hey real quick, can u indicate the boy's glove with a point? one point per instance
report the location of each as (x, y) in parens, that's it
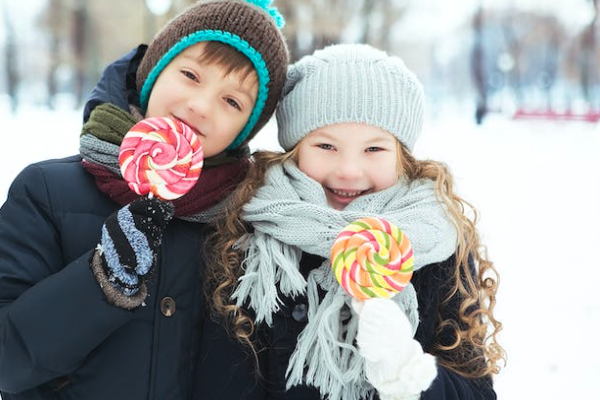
(128, 250)
(394, 362)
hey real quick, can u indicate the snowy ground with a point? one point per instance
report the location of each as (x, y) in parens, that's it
(537, 189)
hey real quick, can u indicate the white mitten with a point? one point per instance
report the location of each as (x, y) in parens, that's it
(394, 362)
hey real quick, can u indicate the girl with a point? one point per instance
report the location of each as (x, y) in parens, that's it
(348, 120)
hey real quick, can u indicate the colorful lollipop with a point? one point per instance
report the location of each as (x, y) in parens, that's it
(372, 258)
(161, 156)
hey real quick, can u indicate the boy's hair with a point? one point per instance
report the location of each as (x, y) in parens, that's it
(350, 83)
(250, 27)
(228, 59)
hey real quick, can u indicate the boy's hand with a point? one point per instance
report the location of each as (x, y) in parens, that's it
(394, 362)
(131, 238)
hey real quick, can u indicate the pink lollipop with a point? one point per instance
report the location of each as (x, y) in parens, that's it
(161, 157)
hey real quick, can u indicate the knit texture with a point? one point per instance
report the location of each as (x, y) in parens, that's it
(350, 83)
(129, 245)
(290, 215)
(251, 27)
(394, 362)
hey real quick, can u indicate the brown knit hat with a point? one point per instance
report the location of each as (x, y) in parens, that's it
(250, 26)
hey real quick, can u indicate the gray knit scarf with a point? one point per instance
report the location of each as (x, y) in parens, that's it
(290, 215)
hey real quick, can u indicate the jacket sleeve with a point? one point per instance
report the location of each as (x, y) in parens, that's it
(52, 311)
(433, 283)
(449, 385)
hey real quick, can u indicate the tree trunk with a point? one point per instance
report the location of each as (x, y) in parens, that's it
(55, 19)
(10, 60)
(79, 42)
(478, 68)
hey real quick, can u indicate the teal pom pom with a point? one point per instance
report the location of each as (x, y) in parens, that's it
(273, 11)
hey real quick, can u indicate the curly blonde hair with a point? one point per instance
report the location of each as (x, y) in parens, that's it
(475, 352)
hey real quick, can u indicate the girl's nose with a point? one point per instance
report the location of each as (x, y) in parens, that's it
(349, 168)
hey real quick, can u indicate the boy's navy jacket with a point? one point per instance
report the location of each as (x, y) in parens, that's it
(61, 339)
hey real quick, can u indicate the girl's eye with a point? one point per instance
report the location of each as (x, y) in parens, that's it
(190, 75)
(233, 104)
(373, 149)
(325, 146)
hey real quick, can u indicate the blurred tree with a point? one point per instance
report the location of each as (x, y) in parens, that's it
(81, 48)
(520, 54)
(512, 29)
(10, 58)
(588, 62)
(478, 67)
(55, 17)
(54, 21)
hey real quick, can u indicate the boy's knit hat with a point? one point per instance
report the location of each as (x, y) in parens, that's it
(350, 83)
(250, 26)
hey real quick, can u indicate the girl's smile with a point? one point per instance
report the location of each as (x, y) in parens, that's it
(349, 160)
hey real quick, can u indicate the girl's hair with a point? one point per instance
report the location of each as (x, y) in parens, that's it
(475, 351)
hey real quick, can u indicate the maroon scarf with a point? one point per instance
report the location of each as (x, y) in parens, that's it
(220, 176)
(214, 184)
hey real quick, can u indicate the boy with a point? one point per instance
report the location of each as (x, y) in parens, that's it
(69, 328)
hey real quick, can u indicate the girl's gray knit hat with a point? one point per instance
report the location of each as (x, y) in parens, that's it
(350, 83)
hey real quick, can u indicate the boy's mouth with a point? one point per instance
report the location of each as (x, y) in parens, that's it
(196, 131)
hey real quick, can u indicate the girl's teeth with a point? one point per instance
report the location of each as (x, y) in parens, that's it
(347, 194)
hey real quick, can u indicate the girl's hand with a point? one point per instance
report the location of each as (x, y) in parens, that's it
(394, 362)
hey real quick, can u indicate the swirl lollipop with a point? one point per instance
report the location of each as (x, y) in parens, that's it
(161, 157)
(372, 258)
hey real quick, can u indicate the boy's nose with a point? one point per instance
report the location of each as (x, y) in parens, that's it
(200, 105)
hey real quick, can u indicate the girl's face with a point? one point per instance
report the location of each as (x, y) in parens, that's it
(349, 160)
(215, 105)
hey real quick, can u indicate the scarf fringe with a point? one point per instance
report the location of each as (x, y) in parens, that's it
(325, 357)
(267, 268)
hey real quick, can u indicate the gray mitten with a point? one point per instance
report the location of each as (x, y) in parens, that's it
(128, 251)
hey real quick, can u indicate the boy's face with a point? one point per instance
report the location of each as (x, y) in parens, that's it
(215, 106)
(349, 160)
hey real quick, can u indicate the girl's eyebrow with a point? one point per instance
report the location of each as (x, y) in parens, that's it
(323, 134)
(381, 139)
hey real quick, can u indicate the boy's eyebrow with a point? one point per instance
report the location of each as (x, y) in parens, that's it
(237, 87)
(248, 93)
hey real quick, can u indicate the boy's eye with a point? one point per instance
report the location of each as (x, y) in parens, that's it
(190, 75)
(373, 149)
(325, 146)
(233, 103)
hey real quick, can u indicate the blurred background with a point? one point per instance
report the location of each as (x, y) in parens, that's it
(513, 102)
(527, 58)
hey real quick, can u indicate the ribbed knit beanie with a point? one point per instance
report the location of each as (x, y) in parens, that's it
(250, 26)
(350, 83)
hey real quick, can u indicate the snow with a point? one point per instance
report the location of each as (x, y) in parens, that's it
(536, 186)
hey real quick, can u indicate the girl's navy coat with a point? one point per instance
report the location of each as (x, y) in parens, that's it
(60, 339)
